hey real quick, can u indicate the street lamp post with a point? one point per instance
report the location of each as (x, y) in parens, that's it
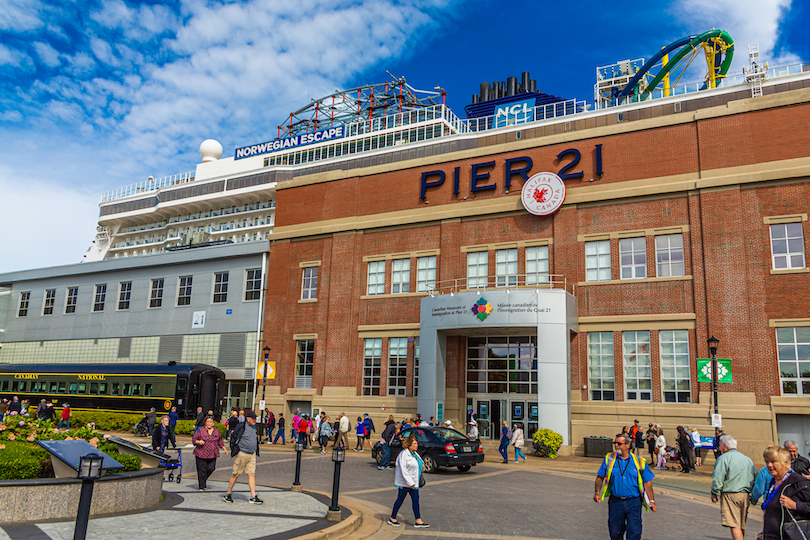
(266, 352)
(299, 447)
(713, 341)
(89, 470)
(338, 456)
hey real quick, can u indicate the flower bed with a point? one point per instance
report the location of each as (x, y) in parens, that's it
(21, 458)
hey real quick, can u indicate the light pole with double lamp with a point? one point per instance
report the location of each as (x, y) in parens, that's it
(89, 470)
(266, 352)
(299, 447)
(338, 456)
(713, 342)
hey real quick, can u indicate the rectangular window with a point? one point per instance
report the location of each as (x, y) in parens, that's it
(425, 273)
(669, 255)
(502, 365)
(147, 389)
(72, 388)
(62, 386)
(124, 292)
(506, 267)
(397, 366)
(787, 246)
(220, 287)
(116, 388)
(633, 258)
(127, 389)
(536, 265)
(376, 278)
(309, 283)
(601, 375)
(372, 357)
(50, 299)
(156, 294)
(675, 380)
(304, 360)
(25, 299)
(72, 299)
(400, 276)
(416, 366)
(597, 260)
(93, 388)
(793, 353)
(637, 366)
(82, 387)
(184, 290)
(477, 269)
(100, 298)
(136, 389)
(53, 387)
(253, 284)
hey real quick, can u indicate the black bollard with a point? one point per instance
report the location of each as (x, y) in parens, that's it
(338, 456)
(89, 470)
(299, 448)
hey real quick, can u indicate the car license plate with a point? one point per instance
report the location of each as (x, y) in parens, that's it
(467, 449)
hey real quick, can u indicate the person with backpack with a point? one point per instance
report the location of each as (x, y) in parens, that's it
(360, 431)
(303, 430)
(245, 450)
(387, 437)
(369, 425)
(506, 438)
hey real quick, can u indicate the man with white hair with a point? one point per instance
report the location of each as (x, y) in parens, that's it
(798, 463)
(732, 481)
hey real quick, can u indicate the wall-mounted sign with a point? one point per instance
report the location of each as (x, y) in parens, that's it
(513, 113)
(704, 366)
(290, 142)
(198, 319)
(543, 194)
(228, 312)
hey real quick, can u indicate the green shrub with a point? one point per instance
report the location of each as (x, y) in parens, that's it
(105, 421)
(22, 460)
(546, 443)
(186, 427)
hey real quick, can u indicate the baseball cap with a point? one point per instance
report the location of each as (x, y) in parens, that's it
(635, 421)
(365, 414)
(650, 425)
(250, 414)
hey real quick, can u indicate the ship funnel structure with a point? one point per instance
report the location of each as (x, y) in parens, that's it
(514, 101)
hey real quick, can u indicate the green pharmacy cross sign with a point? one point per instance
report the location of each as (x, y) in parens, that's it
(704, 366)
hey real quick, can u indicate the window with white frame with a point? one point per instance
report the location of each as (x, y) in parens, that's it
(793, 353)
(425, 273)
(309, 283)
(372, 361)
(597, 260)
(536, 265)
(477, 269)
(637, 366)
(633, 258)
(304, 361)
(220, 287)
(669, 255)
(787, 246)
(100, 297)
(676, 385)
(71, 299)
(25, 299)
(184, 290)
(397, 366)
(156, 293)
(376, 278)
(50, 300)
(400, 276)
(416, 366)
(124, 294)
(253, 284)
(506, 267)
(601, 374)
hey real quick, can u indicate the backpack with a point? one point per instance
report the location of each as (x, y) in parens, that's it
(508, 434)
(238, 431)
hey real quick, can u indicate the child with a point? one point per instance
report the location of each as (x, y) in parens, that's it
(360, 431)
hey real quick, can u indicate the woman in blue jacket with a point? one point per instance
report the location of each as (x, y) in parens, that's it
(506, 438)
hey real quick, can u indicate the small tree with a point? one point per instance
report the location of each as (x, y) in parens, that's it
(546, 443)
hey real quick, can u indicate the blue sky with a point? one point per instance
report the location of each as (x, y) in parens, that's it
(99, 95)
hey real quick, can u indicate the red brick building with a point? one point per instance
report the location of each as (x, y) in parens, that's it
(695, 227)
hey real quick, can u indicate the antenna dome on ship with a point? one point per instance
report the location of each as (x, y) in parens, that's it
(210, 150)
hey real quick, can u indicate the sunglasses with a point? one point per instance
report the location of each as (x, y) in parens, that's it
(617, 443)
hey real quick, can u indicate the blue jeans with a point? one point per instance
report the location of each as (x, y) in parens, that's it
(519, 454)
(403, 492)
(280, 434)
(385, 460)
(502, 449)
(270, 433)
(303, 437)
(624, 515)
(65, 421)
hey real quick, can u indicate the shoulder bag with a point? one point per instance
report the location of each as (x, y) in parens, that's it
(796, 530)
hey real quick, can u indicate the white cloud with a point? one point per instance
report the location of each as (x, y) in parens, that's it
(21, 15)
(46, 53)
(14, 57)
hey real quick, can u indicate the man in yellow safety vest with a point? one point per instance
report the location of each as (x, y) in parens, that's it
(627, 480)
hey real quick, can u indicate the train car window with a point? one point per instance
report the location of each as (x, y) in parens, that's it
(136, 389)
(62, 387)
(22, 386)
(102, 388)
(147, 389)
(72, 389)
(82, 387)
(116, 388)
(38, 387)
(54, 386)
(4, 387)
(15, 386)
(127, 389)
(94, 388)
(181, 384)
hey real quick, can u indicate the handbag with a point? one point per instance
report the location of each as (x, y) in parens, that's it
(422, 483)
(796, 530)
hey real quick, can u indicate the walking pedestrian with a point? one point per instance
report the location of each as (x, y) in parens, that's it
(798, 463)
(506, 438)
(787, 494)
(661, 449)
(325, 433)
(360, 431)
(15, 407)
(639, 446)
(65, 416)
(230, 423)
(151, 420)
(280, 432)
(207, 443)
(343, 437)
(271, 425)
(633, 430)
(296, 419)
(732, 482)
(40, 409)
(627, 480)
(472, 433)
(245, 450)
(369, 423)
(386, 438)
(200, 420)
(718, 432)
(303, 430)
(173, 418)
(160, 435)
(684, 445)
(697, 444)
(518, 442)
(407, 479)
(651, 435)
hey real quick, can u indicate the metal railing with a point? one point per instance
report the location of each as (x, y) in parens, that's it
(537, 281)
(149, 185)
